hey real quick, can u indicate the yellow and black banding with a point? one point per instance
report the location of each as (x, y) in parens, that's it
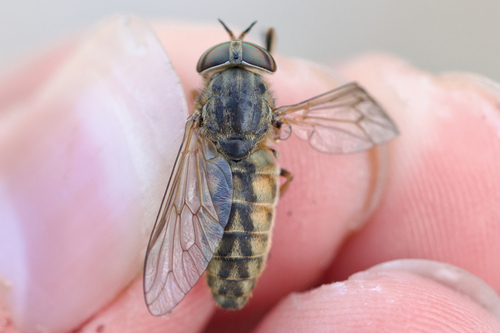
(241, 255)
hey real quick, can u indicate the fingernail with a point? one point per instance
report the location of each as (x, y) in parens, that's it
(451, 276)
(482, 86)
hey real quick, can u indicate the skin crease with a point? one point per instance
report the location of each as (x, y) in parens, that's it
(438, 202)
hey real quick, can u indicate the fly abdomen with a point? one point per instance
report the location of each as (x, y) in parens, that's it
(232, 273)
(241, 255)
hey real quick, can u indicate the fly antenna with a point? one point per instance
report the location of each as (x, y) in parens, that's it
(227, 29)
(246, 31)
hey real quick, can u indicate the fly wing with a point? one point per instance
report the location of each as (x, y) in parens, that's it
(342, 121)
(194, 211)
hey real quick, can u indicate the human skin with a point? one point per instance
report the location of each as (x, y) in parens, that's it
(430, 194)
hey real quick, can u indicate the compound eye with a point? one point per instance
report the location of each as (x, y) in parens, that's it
(257, 56)
(214, 57)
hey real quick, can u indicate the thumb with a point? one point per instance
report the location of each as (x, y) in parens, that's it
(79, 171)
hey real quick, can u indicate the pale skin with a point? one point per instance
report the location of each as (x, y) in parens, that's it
(432, 193)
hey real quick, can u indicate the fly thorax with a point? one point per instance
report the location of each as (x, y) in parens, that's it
(236, 113)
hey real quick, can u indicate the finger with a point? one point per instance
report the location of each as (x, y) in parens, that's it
(24, 78)
(328, 198)
(128, 313)
(442, 199)
(380, 301)
(82, 174)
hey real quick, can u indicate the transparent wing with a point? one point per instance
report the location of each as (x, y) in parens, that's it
(341, 121)
(190, 223)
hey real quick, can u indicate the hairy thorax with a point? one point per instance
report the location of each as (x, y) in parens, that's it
(236, 109)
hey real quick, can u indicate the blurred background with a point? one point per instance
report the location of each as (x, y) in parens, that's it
(444, 35)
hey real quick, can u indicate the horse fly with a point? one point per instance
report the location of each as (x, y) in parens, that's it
(218, 209)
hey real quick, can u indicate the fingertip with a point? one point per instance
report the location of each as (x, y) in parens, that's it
(380, 301)
(128, 313)
(453, 277)
(441, 199)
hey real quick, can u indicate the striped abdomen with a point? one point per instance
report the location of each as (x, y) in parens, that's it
(241, 255)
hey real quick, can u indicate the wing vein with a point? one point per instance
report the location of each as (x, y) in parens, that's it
(173, 264)
(342, 121)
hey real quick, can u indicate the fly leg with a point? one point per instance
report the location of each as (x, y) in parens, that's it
(289, 177)
(194, 94)
(194, 97)
(270, 40)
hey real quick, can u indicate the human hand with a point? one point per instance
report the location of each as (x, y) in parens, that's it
(84, 142)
